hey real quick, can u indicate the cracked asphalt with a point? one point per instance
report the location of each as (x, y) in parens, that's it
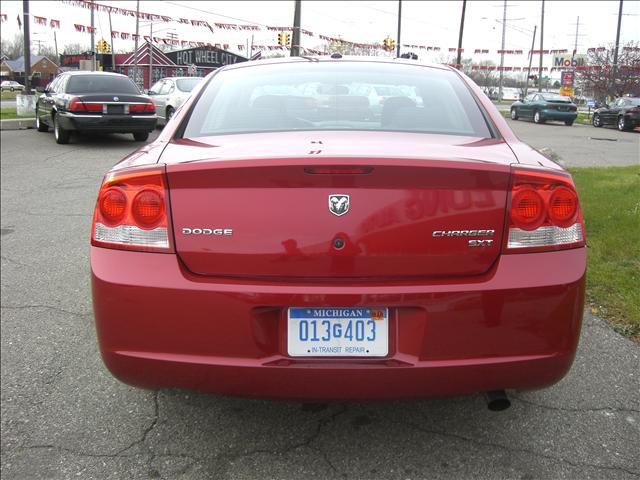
(64, 416)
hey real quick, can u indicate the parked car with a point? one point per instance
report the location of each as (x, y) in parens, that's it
(510, 94)
(266, 247)
(12, 86)
(94, 102)
(624, 113)
(170, 93)
(545, 106)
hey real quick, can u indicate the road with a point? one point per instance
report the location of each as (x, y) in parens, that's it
(581, 145)
(64, 416)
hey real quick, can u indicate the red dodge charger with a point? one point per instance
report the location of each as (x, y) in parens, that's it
(289, 235)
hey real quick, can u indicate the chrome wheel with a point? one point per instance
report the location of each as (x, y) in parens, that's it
(597, 122)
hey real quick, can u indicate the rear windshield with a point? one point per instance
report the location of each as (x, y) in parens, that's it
(553, 97)
(101, 84)
(187, 84)
(336, 96)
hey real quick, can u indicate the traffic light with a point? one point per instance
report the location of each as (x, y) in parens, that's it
(287, 39)
(280, 39)
(103, 47)
(389, 44)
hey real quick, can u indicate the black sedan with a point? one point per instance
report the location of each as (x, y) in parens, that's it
(97, 102)
(624, 113)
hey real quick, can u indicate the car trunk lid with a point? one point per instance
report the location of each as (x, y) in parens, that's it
(239, 213)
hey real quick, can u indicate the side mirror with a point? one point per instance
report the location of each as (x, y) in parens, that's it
(150, 92)
(41, 89)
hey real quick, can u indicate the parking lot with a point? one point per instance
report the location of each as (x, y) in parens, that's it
(64, 416)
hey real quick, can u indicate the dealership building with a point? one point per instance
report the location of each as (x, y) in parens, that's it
(149, 64)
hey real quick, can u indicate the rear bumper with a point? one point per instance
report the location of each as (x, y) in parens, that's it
(108, 123)
(556, 115)
(516, 327)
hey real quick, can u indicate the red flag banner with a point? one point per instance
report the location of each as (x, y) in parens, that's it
(54, 23)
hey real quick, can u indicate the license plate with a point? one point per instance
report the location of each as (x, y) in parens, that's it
(338, 332)
(115, 109)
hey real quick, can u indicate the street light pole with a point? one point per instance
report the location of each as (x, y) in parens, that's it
(541, 47)
(533, 44)
(135, 53)
(295, 40)
(459, 58)
(614, 71)
(504, 28)
(399, 27)
(26, 46)
(93, 41)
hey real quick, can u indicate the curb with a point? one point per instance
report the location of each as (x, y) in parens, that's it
(17, 124)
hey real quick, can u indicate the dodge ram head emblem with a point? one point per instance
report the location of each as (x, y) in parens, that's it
(338, 204)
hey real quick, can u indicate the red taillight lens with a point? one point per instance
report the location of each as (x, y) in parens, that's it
(544, 213)
(527, 208)
(148, 207)
(635, 109)
(93, 107)
(132, 212)
(76, 105)
(112, 204)
(142, 107)
(563, 207)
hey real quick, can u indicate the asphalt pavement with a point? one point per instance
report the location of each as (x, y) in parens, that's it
(580, 145)
(63, 415)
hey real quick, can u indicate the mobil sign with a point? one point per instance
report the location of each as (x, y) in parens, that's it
(569, 61)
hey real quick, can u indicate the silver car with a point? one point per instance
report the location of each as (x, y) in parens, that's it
(170, 93)
(11, 86)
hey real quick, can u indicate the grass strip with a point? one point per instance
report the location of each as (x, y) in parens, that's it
(610, 200)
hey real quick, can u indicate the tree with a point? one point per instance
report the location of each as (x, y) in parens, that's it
(13, 48)
(75, 49)
(601, 80)
(50, 53)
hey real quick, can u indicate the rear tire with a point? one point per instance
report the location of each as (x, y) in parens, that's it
(597, 121)
(622, 124)
(537, 118)
(39, 125)
(11, 89)
(568, 123)
(141, 136)
(62, 135)
(514, 114)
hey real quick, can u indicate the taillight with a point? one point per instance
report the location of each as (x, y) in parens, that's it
(635, 109)
(76, 105)
(132, 212)
(142, 108)
(93, 107)
(544, 213)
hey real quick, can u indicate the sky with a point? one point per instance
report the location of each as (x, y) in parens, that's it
(430, 23)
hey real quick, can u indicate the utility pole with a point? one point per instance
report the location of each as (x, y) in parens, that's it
(26, 46)
(55, 42)
(150, 55)
(93, 41)
(614, 71)
(459, 59)
(135, 53)
(541, 47)
(504, 28)
(533, 44)
(399, 27)
(575, 46)
(295, 40)
(113, 50)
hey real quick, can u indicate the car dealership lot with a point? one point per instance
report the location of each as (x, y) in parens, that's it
(63, 415)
